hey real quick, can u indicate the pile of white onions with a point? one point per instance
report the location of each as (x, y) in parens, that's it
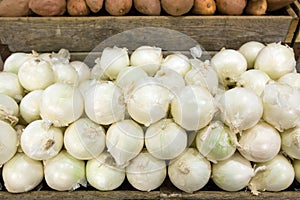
(145, 116)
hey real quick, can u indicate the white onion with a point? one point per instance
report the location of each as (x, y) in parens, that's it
(103, 174)
(84, 139)
(276, 60)
(177, 62)
(254, 80)
(190, 171)
(14, 62)
(290, 142)
(296, 165)
(146, 172)
(240, 109)
(278, 175)
(64, 172)
(170, 79)
(22, 174)
(148, 58)
(124, 141)
(193, 107)
(281, 106)
(229, 65)
(10, 85)
(45, 56)
(232, 174)
(9, 109)
(148, 102)
(97, 71)
(291, 79)
(36, 74)
(61, 104)
(165, 139)
(202, 74)
(62, 56)
(128, 77)
(65, 73)
(8, 142)
(250, 51)
(30, 106)
(260, 143)
(85, 85)
(216, 142)
(113, 60)
(104, 103)
(83, 71)
(40, 142)
(196, 51)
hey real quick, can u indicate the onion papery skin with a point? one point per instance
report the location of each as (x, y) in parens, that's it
(8, 142)
(276, 60)
(277, 175)
(232, 174)
(146, 172)
(216, 142)
(190, 171)
(104, 103)
(103, 174)
(260, 143)
(281, 106)
(65, 173)
(165, 139)
(290, 142)
(22, 174)
(193, 107)
(240, 108)
(61, 104)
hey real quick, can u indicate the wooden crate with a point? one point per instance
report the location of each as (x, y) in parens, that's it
(86, 36)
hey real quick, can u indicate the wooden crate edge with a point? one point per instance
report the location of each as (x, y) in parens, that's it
(294, 24)
(200, 195)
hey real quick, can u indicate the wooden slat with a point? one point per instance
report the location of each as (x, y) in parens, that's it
(208, 195)
(175, 195)
(293, 27)
(51, 195)
(83, 34)
(296, 7)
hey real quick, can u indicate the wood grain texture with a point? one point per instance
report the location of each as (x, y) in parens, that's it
(201, 195)
(294, 24)
(82, 195)
(83, 34)
(296, 7)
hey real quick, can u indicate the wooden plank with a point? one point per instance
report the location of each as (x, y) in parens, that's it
(296, 7)
(200, 195)
(84, 34)
(208, 195)
(50, 195)
(293, 27)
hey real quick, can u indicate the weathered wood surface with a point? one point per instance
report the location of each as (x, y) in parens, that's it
(203, 195)
(290, 38)
(296, 7)
(84, 34)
